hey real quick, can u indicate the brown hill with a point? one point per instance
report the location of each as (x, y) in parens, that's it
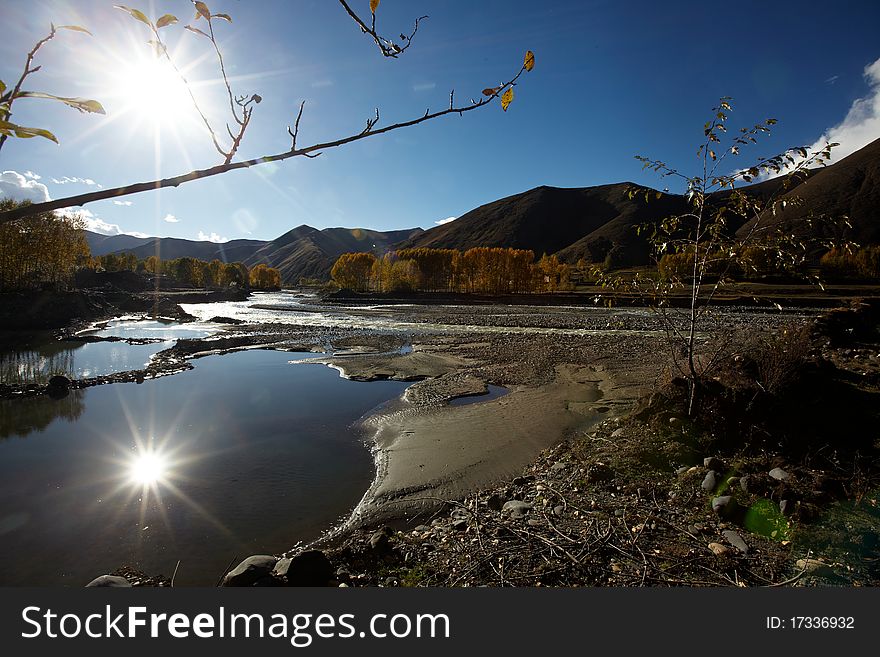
(849, 188)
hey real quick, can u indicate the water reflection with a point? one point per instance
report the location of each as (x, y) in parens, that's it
(74, 359)
(244, 454)
(22, 417)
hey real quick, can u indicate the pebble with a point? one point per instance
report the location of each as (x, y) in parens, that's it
(710, 481)
(718, 549)
(379, 542)
(713, 463)
(735, 540)
(249, 571)
(516, 508)
(779, 474)
(109, 581)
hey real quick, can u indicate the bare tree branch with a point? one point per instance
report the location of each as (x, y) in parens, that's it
(387, 47)
(308, 151)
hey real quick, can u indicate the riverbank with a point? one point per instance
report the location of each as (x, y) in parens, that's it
(572, 376)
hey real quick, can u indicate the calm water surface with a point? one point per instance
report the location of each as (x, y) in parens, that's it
(247, 453)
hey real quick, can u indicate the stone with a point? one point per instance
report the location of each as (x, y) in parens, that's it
(682, 470)
(713, 463)
(379, 542)
(58, 387)
(814, 566)
(522, 481)
(710, 481)
(735, 540)
(109, 581)
(250, 570)
(786, 507)
(779, 474)
(460, 525)
(495, 502)
(558, 510)
(533, 523)
(309, 568)
(725, 506)
(617, 433)
(559, 466)
(421, 529)
(718, 549)
(391, 581)
(516, 508)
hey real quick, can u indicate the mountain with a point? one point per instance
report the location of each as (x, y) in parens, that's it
(850, 188)
(592, 222)
(310, 253)
(301, 252)
(587, 222)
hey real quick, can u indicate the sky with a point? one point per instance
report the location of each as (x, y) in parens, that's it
(612, 80)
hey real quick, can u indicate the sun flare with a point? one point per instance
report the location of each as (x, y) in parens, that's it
(147, 468)
(151, 90)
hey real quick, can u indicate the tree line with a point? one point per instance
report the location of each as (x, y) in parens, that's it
(47, 249)
(477, 270)
(191, 271)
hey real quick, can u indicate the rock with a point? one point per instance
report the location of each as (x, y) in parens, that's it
(516, 508)
(250, 570)
(421, 529)
(682, 470)
(380, 543)
(718, 549)
(814, 567)
(713, 463)
(495, 502)
(109, 581)
(533, 523)
(559, 466)
(754, 484)
(558, 510)
(58, 387)
(710, 482)
(725, 506)
(460, 525)
(779, 474)
(309, 568)
(735, 540)
(522, 481)
(786, 507)
(391, 581)
(617, 433)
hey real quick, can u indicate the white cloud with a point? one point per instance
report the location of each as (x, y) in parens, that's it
(213, 237)
(171, 219)
(445, 221)
(17, 187)
(861, 125)
(424, 86)
(126, 203)
(82, 181)
(31, 175)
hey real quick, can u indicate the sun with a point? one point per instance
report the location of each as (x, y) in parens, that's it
(149, 89)
(147, 468)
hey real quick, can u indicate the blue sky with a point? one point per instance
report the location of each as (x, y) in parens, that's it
(612, 80)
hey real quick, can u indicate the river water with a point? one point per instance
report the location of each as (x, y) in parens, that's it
(247, 453)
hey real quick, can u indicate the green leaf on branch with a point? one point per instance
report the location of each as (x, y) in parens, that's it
(12, 130)
(136, 14)
(167, 19)
(81, 104)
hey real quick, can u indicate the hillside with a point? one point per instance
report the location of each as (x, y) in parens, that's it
(301, 252)
(588, 222)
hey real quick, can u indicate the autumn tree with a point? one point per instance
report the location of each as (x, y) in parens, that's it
(263, 277)
(39, 250)
(242, 106)
(354, 271)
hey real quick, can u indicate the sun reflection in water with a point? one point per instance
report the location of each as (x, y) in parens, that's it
(148, 468)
